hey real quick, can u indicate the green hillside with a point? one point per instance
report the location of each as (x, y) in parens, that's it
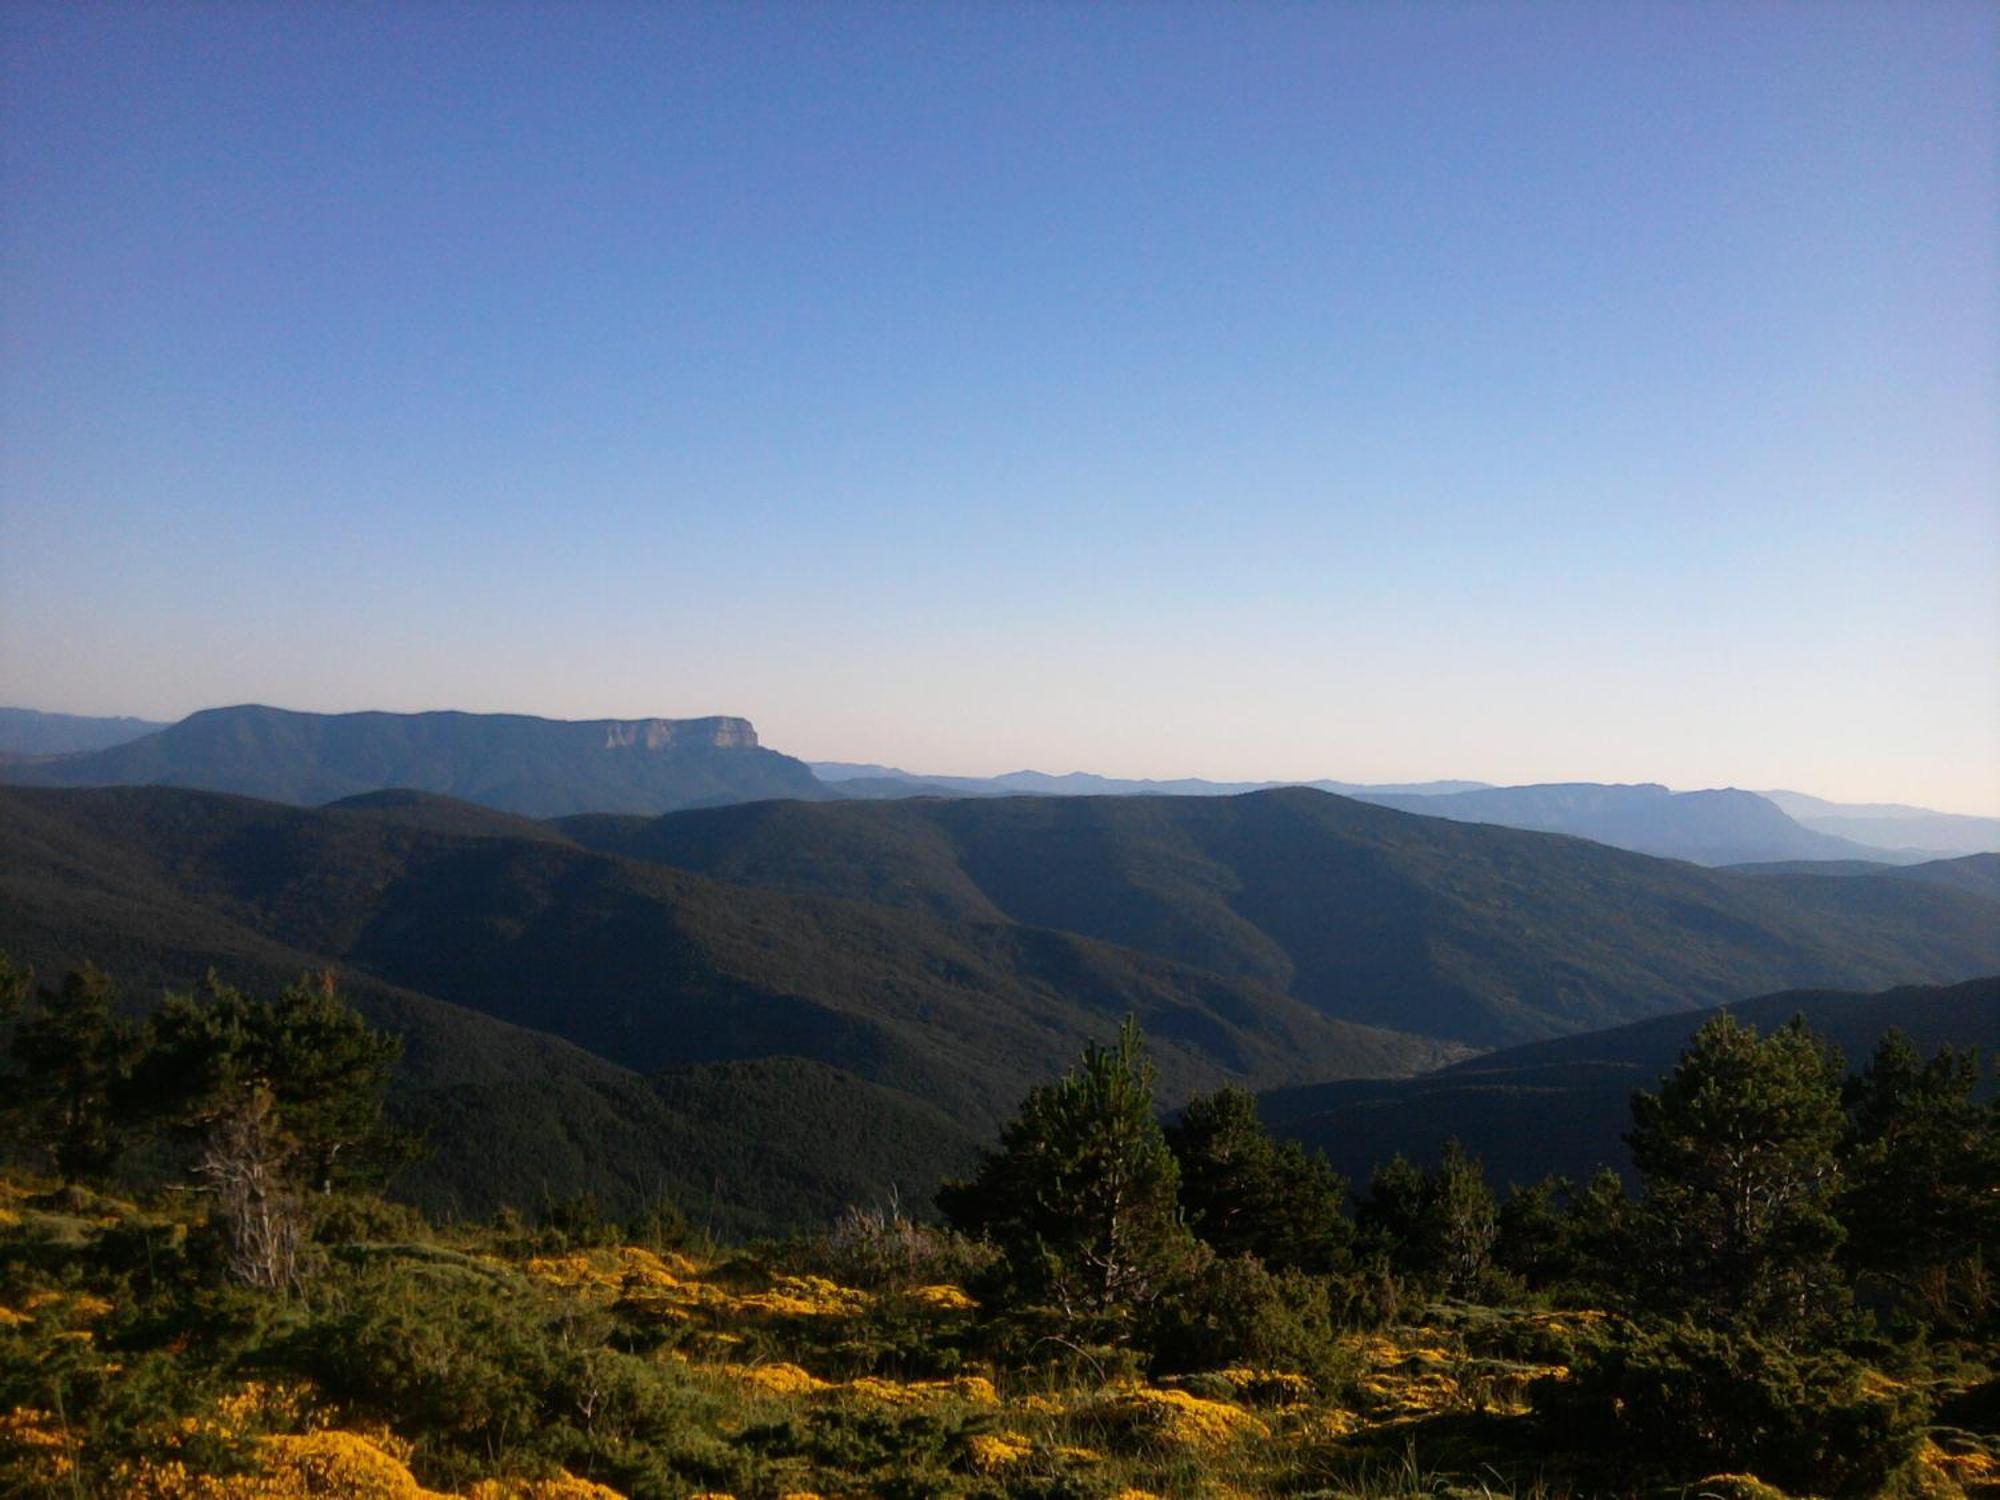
(1481, 934)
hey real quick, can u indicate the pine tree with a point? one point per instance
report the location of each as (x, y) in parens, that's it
(325, 1070)
(1246, 1194)
(1922, 1200)
(75, 1055)
(281, 1098)
(1738, 1156)
(1081, 1196)
(1438, 1225)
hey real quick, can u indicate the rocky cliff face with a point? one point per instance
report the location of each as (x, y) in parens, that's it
(715, 733)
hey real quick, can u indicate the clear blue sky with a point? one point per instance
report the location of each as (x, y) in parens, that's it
(1516, 392)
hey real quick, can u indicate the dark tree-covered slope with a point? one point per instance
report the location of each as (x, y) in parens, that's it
(405, 808)
(1977, 873)
(645, 966)
(1563, 1106)
(1483, 934)
(516, 1116)
(753, 1147)
(540, 767)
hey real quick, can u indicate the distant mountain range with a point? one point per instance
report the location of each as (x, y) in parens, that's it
(1724, 827)
(541, 767)
(873, 780)
(1891, 825)
(1715, 827)
(1564, 1106)
(546, 767)
(27, 732)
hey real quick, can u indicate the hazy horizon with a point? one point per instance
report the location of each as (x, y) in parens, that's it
(1520, 393)
(1109, 773)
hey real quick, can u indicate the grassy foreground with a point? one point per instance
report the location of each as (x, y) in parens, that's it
(514, 1363)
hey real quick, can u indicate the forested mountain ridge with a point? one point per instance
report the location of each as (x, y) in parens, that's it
(1483, 934)
(645, 966)
(540, 767)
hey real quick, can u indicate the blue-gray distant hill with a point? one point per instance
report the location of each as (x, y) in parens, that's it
(537, 767)
(1478, 934)
(1893, 825)
(1716, 827)
(26, 731)
(1563, 1106)
(855, 779)
(1721, 827)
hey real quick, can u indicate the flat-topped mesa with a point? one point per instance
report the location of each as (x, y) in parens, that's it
(717, 732)
(541, 768)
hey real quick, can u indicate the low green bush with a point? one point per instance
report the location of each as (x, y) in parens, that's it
(1235, 1312)
(1696, 1401)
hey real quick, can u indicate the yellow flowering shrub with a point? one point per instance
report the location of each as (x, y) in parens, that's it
(562, 1487)
(328, 1462)
(620, 1269)
(944, 1298)
(39, 1447)
(257, 1405)
(804, 1297)
(778, 1379)
(1318, 1424)
(1176, 1417)
(995, 1450)
(1971, 1469)
(974, 1389)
